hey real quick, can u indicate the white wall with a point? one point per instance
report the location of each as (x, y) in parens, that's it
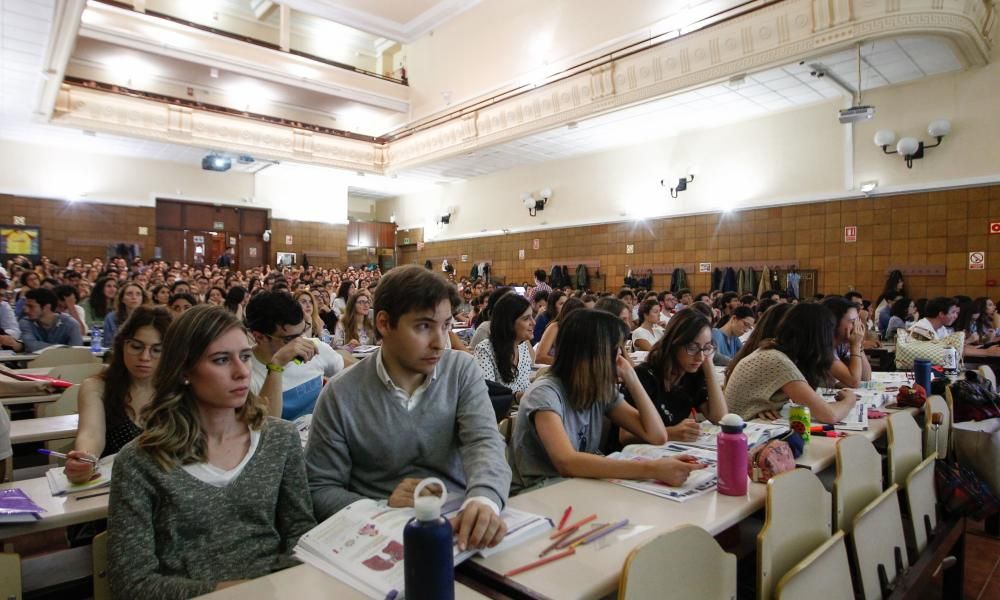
(303, 193)
(529, 38)
(742, 165)
(52, 172)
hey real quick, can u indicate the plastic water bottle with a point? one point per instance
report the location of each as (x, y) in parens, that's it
(325, 336)
(731, 448)
(428, 559)
(95, 340)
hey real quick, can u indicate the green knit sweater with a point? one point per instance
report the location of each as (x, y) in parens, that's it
(171, 535)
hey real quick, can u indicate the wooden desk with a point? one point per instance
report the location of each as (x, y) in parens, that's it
(60, 511)
(43, 429)
(821, 452)
(594, 571)
(306, 582)
(36, 399)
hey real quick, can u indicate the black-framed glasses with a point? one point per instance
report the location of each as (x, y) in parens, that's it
(136, 348)
(693, 349)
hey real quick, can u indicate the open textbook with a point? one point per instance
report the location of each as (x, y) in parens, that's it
(697, 483)
(757, 433)
(856, 420)
(362, 545)
(59, 485)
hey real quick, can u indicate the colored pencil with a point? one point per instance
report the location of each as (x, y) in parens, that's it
(576, 525)
(565, 516)
(540, 562)
(594, 536)
(582, 536)
(563, 536)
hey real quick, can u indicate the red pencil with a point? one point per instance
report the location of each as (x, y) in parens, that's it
(540, 562)
(565, 516)
(576, 525)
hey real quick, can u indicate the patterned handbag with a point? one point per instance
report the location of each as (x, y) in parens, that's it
(908, 350)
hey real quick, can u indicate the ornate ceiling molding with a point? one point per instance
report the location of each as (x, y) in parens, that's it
(776, 34)
(103, 111)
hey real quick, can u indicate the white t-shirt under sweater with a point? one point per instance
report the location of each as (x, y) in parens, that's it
(300, 384)
(214, 476)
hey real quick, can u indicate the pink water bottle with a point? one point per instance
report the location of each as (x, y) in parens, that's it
(731, 448)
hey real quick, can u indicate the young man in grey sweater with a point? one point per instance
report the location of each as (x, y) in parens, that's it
(410, 411)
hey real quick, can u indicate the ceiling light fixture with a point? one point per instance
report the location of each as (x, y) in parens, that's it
(682, 184)
(535, 203)
(911, 148)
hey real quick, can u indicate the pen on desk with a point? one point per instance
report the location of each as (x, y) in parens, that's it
(104, 493)
(565, 516)
(574, 526)
(86, 459)
(392, 595)
(593, 537)
(538, 563)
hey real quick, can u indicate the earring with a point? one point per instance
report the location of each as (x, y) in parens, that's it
(186, 382)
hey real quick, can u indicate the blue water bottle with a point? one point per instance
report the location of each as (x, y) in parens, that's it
(95, 340)
(922, 374)
(428, 541)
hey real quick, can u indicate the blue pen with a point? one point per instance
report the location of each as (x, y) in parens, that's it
(85, 459)
(392, 595)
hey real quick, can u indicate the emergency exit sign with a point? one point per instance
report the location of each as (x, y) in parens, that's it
(850, 233)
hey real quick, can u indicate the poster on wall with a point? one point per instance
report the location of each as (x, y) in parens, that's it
(21, 240)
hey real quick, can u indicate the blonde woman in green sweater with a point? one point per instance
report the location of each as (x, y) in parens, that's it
(213, 491)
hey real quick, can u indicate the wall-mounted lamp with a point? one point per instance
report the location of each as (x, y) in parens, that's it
(682, 184)
(536, 202)
(912, 148)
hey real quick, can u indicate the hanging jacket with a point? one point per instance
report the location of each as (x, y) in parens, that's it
(765, 281)
(678, 280)
(728, 280)
(565, 277)
(741, 281)
(555, 277)
(716, 279)
(775, 282)
(582, 277)
(474, 273)
(486, 271)
(751, 281)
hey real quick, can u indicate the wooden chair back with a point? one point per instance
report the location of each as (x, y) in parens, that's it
(102, 590)
(62, 355)
(668, 561)
(905, 451)
(10, 576)
(858, 480)
(878, 545)
(921, 499)
(825, 570)
(798, 521)
(77, 373)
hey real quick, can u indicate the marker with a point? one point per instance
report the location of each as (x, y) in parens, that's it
(85, 459)
(816, 428)
(833, 434)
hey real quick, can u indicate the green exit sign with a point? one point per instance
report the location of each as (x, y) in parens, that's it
(406, 241)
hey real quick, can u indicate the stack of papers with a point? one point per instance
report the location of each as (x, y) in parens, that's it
(60, 485)
(757, 433)
(17, 507)
(698, 483)
(362, 545)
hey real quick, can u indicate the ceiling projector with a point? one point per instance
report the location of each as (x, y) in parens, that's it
(216, 162)
(855, 114)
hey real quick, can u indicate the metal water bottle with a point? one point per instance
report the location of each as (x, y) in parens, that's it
(428, 557)
(731, 451)
(950, 359)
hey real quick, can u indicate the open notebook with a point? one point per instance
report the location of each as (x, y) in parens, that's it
(59, 485)
(362, 545)
(698, 483)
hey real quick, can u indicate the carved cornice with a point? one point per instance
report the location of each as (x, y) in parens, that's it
(774, 35)
(112, 113)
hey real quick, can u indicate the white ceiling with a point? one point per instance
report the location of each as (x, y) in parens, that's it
(25, 26)
(887, 62)
(402, 20)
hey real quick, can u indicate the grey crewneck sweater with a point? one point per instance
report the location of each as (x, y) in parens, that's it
(172, 536)
(363, 441)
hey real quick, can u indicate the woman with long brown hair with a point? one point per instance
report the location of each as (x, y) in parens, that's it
(355, 326)
(129, 297)
(213, 491)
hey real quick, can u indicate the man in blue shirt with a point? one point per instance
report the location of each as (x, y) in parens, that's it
(42, 326)
(727, 338)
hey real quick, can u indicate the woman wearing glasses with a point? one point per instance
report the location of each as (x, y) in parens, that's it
(788, 368)
(111, 403)
(558, 429)
(727, 339)
(355, 325)
(679, 379)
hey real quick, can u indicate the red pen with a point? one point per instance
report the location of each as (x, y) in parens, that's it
(832, 434)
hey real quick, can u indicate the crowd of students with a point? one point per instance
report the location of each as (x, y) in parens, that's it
(212, 486)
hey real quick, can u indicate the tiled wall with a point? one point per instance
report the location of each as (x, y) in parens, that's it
(81, 229)
(323, 243)
(924, 229)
